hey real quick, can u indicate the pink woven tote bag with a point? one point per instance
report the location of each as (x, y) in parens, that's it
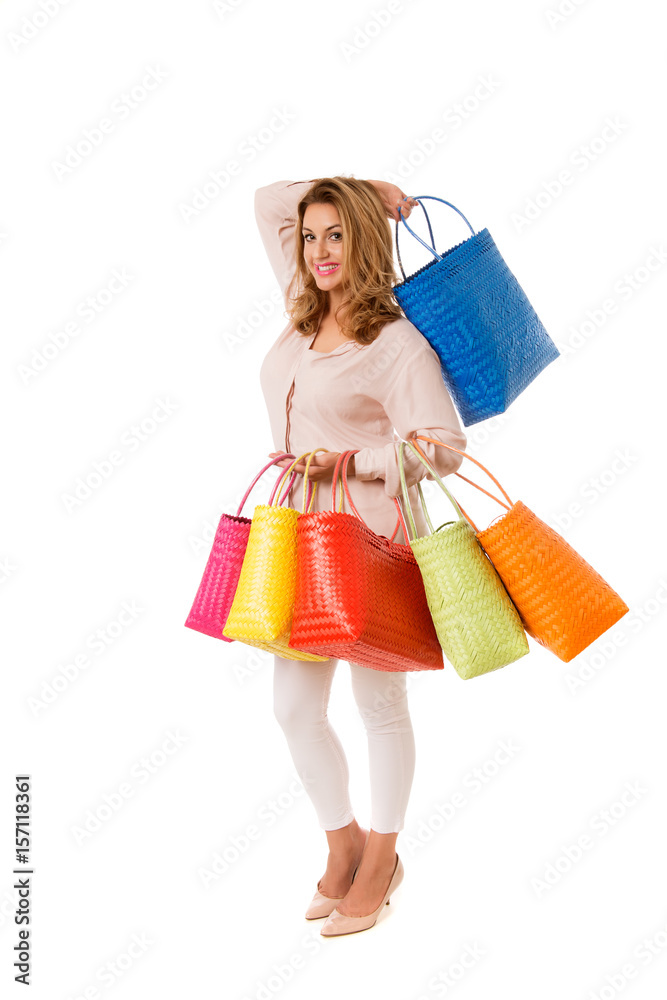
(214, 597)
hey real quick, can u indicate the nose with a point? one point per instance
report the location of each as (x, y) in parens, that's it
(319, 251)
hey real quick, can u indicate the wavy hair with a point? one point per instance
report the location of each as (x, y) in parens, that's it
(368, 262)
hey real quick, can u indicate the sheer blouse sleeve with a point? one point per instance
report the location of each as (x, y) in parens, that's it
(275, 212)
(416, 401)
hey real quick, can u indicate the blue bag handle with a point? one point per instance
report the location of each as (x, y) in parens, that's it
(430, 248)
(430, 232)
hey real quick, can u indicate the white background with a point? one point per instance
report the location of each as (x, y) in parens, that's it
(362, 98)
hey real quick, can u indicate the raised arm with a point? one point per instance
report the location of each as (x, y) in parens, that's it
(275, 211)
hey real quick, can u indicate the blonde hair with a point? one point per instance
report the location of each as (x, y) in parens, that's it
(368, 262)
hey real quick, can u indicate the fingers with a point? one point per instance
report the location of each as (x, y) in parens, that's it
(393, 196)
(406, 205)
(300, 467)
(316, 472)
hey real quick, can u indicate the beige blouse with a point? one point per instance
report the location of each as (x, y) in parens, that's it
(356, 396)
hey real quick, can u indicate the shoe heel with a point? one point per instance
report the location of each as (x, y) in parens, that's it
(338, 923)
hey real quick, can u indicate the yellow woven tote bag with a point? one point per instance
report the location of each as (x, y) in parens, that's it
(261, 612)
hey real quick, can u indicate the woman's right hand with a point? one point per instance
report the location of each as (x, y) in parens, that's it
(321, 467)
(391, 196)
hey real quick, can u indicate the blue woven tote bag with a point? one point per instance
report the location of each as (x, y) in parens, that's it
(478, 320)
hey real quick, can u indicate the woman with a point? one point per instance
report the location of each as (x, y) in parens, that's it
(347, 370)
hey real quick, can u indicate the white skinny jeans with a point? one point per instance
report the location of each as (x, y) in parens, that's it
(301, 690)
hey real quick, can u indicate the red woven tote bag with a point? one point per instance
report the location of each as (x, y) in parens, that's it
(360, 596)
(210, 608)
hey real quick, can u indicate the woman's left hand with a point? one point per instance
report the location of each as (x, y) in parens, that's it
(321, 466)
(393, 196)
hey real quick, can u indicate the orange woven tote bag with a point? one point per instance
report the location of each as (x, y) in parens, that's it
(360, 596)
(564, 604)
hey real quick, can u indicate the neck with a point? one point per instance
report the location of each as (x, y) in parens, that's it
(335, 300)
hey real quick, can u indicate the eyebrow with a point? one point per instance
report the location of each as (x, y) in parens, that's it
(306, 229)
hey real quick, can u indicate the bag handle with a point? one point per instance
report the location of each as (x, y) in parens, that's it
(431, 249)
(291, 484)
(343, 460)
(423, 437)
(289, 487)
(430, 232)
(305, 476)
(290, 468)
(404, 486)
(261, 472)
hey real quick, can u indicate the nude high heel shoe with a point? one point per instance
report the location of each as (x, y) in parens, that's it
(321, 905)
(339, 923)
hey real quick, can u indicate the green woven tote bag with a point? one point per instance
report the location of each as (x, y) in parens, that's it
(477, 624)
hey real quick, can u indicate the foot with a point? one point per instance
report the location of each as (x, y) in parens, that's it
(368, 889)
(341, 865)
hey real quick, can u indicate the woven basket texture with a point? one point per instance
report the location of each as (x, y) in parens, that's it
(360, 597)
(564, 603)
(218, 584)
(479, 321)
(261, 612)
(217, 587)
(478, 626)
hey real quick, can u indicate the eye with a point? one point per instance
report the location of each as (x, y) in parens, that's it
(306, 236)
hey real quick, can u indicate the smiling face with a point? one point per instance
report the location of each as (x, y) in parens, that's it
(323, 244)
